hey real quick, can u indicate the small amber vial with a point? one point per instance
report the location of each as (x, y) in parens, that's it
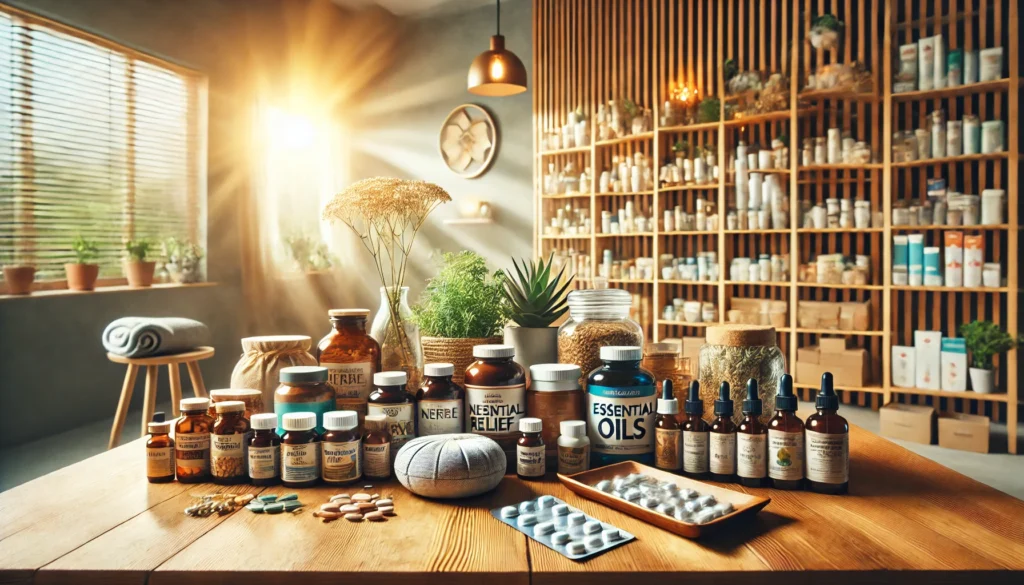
(786, 440)
(227, 443)
(264, 450)
(159, 451)
(341, 448)
(752, 441)
(351, 357)
(530, 457)
(695, 435)
(300, 450)
(828, 443)
(376, 447)
(668, 433)
(722, 449)
(192, 441)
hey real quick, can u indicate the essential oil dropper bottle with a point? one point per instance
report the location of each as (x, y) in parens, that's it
(695, 435)
(668, 434)
(786, 440)
(723, 438)
(828, 443)
(752, 441)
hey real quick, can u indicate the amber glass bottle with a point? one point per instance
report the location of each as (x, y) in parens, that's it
(341, 460)
(722, 447)
(300, 450)
(192, 441)
(530, 457)
(159, 451)
(496, 396)
(264, 450)
(695, 435)
(828, 443)
(376, 447)
(786, 440)
(668, 433)
(227, 443)
(440, 402)
(752, 441)
(390, 398)
(351, 357)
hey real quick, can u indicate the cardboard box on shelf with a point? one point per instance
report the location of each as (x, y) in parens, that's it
(807, 355)
(832, 344)
(966, 432)
(844, 376)
(844, 316)
(927, 347)
(953, 359)
(903, 366)
(907, 422)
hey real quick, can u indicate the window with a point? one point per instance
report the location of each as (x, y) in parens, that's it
(96, 140)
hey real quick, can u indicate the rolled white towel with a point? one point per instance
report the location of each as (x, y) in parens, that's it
(147, 336)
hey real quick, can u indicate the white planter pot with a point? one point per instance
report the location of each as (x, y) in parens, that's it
(981, 380)
(534, 345)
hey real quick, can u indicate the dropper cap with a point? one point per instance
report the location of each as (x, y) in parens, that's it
(158, 417)
(694, 405)
(723, 406)
(827, 399)
(752, 405)
(667, 404)
(785, 399)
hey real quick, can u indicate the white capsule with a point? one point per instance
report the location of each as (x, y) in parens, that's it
(723, 508)
(706, 501)
(527, 506)
(594, 541)
(650, 503)
(592, 527)
(692, 506)
(527, 520)
(604, 485)
(668, 486)
(545, 502)
(544, 528)
(704, 516)
(632, 495)
(509, 512)
(630, 481)
(576, 548)
(611, 535)
(689, 494)
(674, 502)
(682, 515)
(619, 484)
(560, 538)
(577, 519)
(560, 510)
(666, 509)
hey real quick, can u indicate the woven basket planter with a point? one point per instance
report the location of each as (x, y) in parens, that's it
(458, 352)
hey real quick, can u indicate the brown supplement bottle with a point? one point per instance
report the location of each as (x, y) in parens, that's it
(752, 441)
(441, 402)
(351, 357)
(264, 450)
(668, 434)
(227, 443)
(159, 451)
(722, 448)
(342, 448)
(695, 435)
(554, 396)
(530, 457)
(828, 443)
(496, 396)
(390, 398)
(786, 440)
(303, 389)
(300, 450)
(376, 447)
(192, 441)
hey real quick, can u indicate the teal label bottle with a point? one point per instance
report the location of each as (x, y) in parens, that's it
(621, 408)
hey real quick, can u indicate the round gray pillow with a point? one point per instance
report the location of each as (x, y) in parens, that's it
(458, 465)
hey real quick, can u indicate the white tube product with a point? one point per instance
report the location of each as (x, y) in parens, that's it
(939, 75)
(992, 206)
(754, 184)
(926, 63)
(742, 188)
(992, 137)
(970, 67)
(990, 64)
(974, 259)
(915, 245)
(954, 270)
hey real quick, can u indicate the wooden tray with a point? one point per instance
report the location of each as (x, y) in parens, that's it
(746, 505)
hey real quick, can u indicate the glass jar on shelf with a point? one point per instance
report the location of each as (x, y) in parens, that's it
(597, 317)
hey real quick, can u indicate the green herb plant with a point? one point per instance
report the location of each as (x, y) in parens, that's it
(535, 299)
(827, 22)
(631, 109)
(85, 250)
(986, 340)
(463, 301)
(681, 147)
(138, 249)
(709, 110)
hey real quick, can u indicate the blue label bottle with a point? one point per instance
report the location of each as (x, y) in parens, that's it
(621, 408)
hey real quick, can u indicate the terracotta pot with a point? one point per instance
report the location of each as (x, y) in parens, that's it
(140, 274)
(458, 352)
(19, 279)
(82, 276)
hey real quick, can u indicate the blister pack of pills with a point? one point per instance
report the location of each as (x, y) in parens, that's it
(562, 528)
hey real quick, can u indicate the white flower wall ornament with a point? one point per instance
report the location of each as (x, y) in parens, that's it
(468, 141)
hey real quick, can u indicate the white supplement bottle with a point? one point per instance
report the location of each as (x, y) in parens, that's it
(573, 447)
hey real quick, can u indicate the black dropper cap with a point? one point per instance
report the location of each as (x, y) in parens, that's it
(694, 405)
(723, 406)
(752, 405)
(158, 417)
(666, 390)
(785, 399)
(827, 399)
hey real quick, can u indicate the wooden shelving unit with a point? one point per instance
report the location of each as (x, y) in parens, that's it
(587, 52)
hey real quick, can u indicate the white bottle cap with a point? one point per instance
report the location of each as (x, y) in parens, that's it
(159, 427)
(554, 372)
(390, 379)
(264, 421)
(438, 370)
(621, 353)
(341, 420)
(530, 425)
(348, 313)
(375, 422)
(493, 351)
(230, 406)
(192, 404)
(668, 406)
(299, 421)
(576, 429)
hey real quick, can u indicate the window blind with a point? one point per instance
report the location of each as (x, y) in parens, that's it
(95, 140)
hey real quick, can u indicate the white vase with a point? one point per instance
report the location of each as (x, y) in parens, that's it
(534, 345)
(981, 380)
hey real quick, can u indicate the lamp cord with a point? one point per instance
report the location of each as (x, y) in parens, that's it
(499, 17)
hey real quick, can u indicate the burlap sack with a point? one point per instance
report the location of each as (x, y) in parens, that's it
(262, 359)
(458, 352)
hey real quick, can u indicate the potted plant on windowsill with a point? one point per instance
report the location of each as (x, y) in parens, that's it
(138, 271)
(82, 273)
(536, 301)
(182, 260)
(985, 340)
(18, 276)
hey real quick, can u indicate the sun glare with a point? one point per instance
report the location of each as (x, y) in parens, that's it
(289, 130)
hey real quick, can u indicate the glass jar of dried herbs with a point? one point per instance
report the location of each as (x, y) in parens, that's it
(735, 354)
(597, 317)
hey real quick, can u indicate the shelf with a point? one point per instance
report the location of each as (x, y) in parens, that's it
(636, 234)
(872, 389)
(965, 395)
(953, 289)
(625, 139)
(927, 162)
(556, 152)
(839, 94)
(758, 118)
(955, 91)
(568, 196)
(839, 230)
(702, 187)
(758, 283)
(762, 171)
(842, 167)
(689, 233)
(921, 228)
(582, 237)
(770, 231)
(690, 282)
(690, 127)
(840, 286)
(839, 332)
(624, 193)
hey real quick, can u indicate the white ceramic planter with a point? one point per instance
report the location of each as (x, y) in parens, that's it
(981, 380)
(534, 345)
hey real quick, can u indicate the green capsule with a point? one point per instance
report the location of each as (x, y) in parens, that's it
(256, 509)
(274, 508)
(268, 498)
(292, 505)
(288, 497)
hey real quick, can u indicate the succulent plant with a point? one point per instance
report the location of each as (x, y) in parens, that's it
(535, 298)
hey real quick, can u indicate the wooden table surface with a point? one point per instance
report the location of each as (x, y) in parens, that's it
(907, 519)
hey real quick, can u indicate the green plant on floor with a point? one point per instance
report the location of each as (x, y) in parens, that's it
(85, 250)
(709, 110)
(138, 249)
(985, 340)
(535, 299)
(463, 301)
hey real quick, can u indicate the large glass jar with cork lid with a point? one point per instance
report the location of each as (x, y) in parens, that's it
(735, 354)
(597, 318)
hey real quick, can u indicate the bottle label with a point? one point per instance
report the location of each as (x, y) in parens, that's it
(785, 455)
(573, 459)
(264, 462)
(723, 453)
(620, 421)
(192, 452)
(227, 455)
(377, 460)
(318, 408)
(300, 462)
(695, 452)
(668, 448)
(494, 411)
(438, 417)
(341, 461)
(828, 457)
(750, 455)
(530, 460)
(159, 461)
(401, 422)
(352, 384)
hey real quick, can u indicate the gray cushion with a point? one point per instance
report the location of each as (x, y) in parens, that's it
(450, 466)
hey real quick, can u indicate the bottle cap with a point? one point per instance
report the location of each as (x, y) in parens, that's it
(193, 404)
(390, 379)
(230, 406)
(667, 404)
(265, 421)
(827, 399)
(375, 422)
(621, 353)
(159, 427)
(694, 405)
(576, 429)
(785, 399)
(341, 420)
(554, 372)
(438, 370)
(343, 313)
(723, 406)
(300, 374)
(530, 425)
(158, 416)
(493, 351)
(299, 421)
(752, 405)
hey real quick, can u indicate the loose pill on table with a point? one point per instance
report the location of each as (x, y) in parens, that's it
(374, 517)
(269, 498)
(704, 516)
(349, 509)
(604, 485)
(594, 541)
(560, 510)
(527, 506)
(611, 535)
(560, 538)
(509, 512)
(256, 509)
(288, 497)
(577, 519)
(707, 500)
(385, 502)
(361, 497)
(527, 520)
(292, 505)
(386, 510)
(366, 506)
(545, 502)
(330, 507)
(275, 508)
(354, 517)
(592, 527)
(337, 497)
(544, 528)
(576, 548)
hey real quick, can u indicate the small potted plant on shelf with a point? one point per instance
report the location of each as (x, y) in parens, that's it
(182, 260)
(709, 110)
(137, 269)
(536, 300)
(825, 31)
(82, 273)
(18, 276)
(985, 340)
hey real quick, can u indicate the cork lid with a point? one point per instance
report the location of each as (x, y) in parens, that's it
(348, 313)
(737, 335)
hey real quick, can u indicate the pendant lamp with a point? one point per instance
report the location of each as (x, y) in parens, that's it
(497, 72)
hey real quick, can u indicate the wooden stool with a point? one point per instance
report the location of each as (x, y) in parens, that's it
(191, 361)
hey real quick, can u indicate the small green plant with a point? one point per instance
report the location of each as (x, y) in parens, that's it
(730, 69)
(709, 110)
(631, 109)
(827, 22)
(535, 299)
(85, 250)
(784, 139)
(986, 340)
(681, 148)
(464, 300)
(138, 249)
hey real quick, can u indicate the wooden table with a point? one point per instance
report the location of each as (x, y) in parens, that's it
(907, 519)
